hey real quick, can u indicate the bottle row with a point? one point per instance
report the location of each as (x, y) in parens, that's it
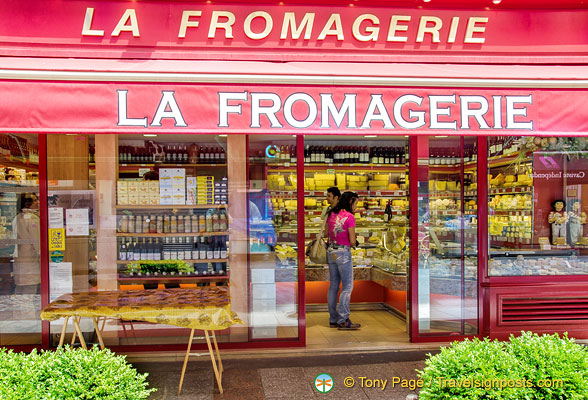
(452, 156)
(173, 248)
(171, 154)
(11, 145)
(213, 220)
(355, 154)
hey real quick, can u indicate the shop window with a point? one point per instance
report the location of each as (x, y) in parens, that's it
(272, 198)
(538, 201)
(138, 213)
(448, 236)
(20, 256)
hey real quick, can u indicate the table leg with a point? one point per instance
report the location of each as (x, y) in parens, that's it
(186, 361)
(62, 337)
(220, 363)
(79, 331)
(73, 338)
(216, 373)
(98, 333)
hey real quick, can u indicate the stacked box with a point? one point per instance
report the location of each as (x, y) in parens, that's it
(191, 190)
(153, 192)
(172, 186)
(122, 192)
(221, 194)
(205, 190)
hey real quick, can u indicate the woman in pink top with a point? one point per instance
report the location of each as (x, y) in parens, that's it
(341, 234)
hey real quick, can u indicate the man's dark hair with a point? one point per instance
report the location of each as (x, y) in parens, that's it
(334, 191)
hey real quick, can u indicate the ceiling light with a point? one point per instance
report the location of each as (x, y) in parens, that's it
(149, 135)
(222, 135)
(370, 136)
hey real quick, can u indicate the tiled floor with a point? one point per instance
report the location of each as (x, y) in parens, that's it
(378, 329)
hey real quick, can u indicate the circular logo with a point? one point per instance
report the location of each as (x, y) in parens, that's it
(271, 151)
(324, 383)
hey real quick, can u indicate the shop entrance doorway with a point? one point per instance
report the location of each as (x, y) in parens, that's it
(376, 168)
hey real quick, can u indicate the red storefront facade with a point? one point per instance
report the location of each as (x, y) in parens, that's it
(454, 91)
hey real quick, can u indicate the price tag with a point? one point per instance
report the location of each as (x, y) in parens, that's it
(378, 193)
(286, 164)
(143, 171)
(307, 235)
(330, 171)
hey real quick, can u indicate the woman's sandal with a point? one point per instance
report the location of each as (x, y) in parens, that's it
(349, 326)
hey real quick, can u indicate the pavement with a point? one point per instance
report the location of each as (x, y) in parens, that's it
(381, 375)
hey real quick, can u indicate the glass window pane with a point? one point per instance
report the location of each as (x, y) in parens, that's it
(448, 225)
(273, 237)
(138, 214)
(538, 199)
(20, 265)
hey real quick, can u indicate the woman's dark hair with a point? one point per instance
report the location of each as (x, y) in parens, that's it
(344, 203)
(558, 201)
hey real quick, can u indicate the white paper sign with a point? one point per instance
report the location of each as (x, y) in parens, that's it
(55, 217)
(60, 279)
(78, 223)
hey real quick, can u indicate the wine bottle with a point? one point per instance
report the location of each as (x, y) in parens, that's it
(157, 250)
(143, 252)
(307, 154)
(209, 250)
(130, 251)
(202, 249)
(187, 248)
(223, 250)
(216, 249)
(122, 251)
(137, 251)
(195, 252)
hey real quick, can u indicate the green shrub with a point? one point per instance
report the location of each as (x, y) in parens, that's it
(69, 374)
(527, 367)
(558, 367)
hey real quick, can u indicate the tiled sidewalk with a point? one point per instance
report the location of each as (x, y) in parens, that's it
(288, 378)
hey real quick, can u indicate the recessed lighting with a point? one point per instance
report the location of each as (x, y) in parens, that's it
(370, 136)
(222, 135)
(149, 135)
(443, 136)
(496, 1)
(293, 135)
(426, 1)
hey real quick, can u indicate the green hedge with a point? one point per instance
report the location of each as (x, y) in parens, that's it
(69, 374)
(527, 367)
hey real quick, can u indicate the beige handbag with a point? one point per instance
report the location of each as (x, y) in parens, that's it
(316, 249)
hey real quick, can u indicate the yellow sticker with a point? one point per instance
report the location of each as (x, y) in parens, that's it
(56, 239)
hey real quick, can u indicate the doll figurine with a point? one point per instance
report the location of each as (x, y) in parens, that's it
(577, 218)
(558, 219)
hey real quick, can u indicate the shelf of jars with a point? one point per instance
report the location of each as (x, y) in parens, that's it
(193, 261)
(160, 235)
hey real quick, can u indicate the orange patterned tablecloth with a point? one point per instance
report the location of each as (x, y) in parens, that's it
(200, 308)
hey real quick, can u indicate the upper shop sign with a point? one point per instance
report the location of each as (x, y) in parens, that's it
(258, 25)
(301, 110)
(177, 29)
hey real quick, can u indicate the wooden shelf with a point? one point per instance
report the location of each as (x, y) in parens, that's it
(160, 235)
(170, 206)
(18, 162)
(18, 189)
(342, 167)
(215, 260)
(171, 279)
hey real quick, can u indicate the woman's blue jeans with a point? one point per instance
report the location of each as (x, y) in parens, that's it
(340, 272)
